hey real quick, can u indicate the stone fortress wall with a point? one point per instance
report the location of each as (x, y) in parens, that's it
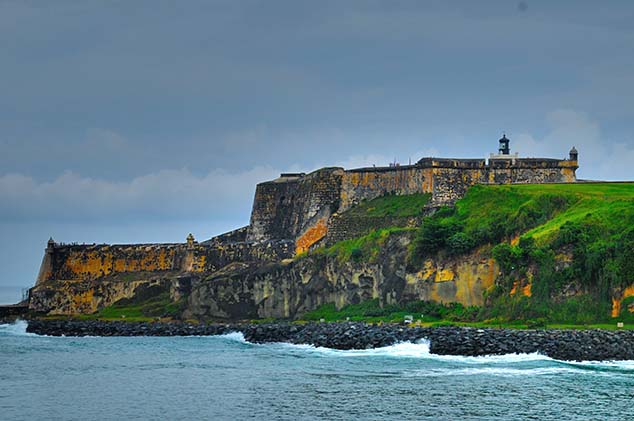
(70, 262)
(290, 215)
(300, 207)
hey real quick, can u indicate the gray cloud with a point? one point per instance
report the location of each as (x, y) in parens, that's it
(600, 158)
(168, 194)
(132, 121)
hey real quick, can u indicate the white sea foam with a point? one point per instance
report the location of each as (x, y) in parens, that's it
(234, 336)
(401, 349)
(496, 370)
(420, 349)
(488, 364)
(604, 365)
(17, 328)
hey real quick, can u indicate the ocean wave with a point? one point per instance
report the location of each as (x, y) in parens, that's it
(488, 364)
(497, 370)
(420, 349)
(233, 337)
(17, 328)
(626, 366)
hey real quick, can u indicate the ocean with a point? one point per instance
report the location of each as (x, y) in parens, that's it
(227, 378)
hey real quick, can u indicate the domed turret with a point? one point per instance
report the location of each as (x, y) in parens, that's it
(504, 145)
(574, 155)
(190, 241)
(50, 245)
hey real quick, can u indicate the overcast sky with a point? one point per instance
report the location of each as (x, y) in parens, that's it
(143, 121)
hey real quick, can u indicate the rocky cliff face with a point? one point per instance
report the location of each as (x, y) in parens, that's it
(89, 296)
(288, 290)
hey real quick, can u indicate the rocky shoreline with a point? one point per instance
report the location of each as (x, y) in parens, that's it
(579, 345)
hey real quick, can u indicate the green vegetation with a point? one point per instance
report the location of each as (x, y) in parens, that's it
(573, 243)
(392, 205)
(437, 314)
(591, 223)
(139, 310)
(488, 214)
(371, 311)
(366, 248)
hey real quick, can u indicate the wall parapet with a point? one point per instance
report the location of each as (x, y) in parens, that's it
(91, 262)
(295, 207)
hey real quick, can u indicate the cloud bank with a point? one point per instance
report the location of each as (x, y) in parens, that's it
(599, 158)
(165, 195)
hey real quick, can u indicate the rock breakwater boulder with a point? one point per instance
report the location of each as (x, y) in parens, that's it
(447, 340)
(101, 328)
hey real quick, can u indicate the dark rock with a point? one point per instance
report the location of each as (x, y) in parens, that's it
(558, 344)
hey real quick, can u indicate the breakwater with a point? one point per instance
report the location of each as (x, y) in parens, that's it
(580, 345)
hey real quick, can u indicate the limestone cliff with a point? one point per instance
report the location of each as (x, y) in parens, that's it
(283, 289)
(287, 290)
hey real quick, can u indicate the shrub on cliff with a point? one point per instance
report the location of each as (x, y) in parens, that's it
(434, 235)
(460, 243)
(356, 254)
(486, 216)
(362, 249)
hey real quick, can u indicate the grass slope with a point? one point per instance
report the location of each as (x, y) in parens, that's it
(528, 227)
(609, 203)
(391, 205)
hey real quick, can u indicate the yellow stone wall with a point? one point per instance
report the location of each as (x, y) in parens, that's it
(91, 262)
(617, 302)
(462, 281)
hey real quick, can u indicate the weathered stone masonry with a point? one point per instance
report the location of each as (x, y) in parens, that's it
(290, 215)
(83, 278)
(89, 262)
(300, 207)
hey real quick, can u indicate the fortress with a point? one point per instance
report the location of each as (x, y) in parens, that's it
(291, 214)
(303, 207)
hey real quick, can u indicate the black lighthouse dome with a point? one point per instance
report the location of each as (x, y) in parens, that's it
(504, 145)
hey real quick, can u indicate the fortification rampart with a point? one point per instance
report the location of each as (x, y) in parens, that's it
(369, 183)
(283, 208)
(299, 207)
(290, 215)
(90, 262)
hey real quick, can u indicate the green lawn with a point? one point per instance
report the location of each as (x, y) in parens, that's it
(392, 205)
(431, 314)
(609, 204)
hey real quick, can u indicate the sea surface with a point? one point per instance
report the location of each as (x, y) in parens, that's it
(226, 378)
